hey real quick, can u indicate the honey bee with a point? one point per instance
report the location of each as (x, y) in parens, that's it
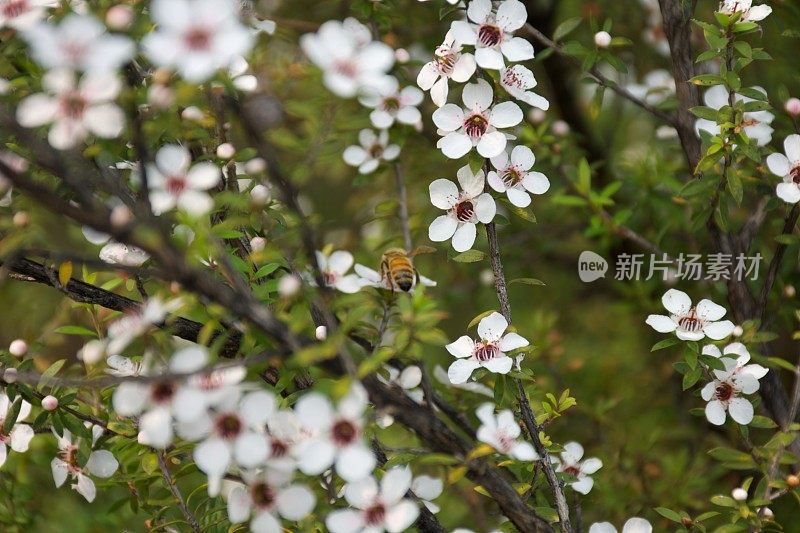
(398, 269)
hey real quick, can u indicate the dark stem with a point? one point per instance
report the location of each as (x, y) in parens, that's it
(173, 488)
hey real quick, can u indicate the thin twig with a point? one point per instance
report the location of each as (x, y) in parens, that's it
(173, 488)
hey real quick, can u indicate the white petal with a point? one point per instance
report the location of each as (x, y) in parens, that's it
(455, 145)
(591, 465)
(709, 310)
(58, 467)
(499, 365)
(517, 49)
(212, 457)
(239, 504)
(492, 327)
(130, 398)
(340, 262)
(489, 58)
(443, 193)
(715, 412)
(156, 427)
(788, 192)
(354, 155)
(461, 348)
(583, 485)
(173, 159)
(106, 120)
(485, 208)
(536, 182)
(524, 451)
(518, 197)
(778, 164)
(250, 449)
(345, 521)
(295, 502)
(676, 302)
(461, 370)
(314, 411)
(792, 146)
(21, 436)
(427, 76)
(512, 341)
(522, 157)
(741, 410)
(463, 32)
(265, 522)
(355, 462)
(572, 453)
(36, 110)
(427, 487)
(204, 176)
(491, 144)
(718, 330)
(449, 117)
(400, 517)
(439, 92)
(464, 68)
(86, 488)
(102, 463)
(395, 483)
(464, 237)
(511, 15)
(477, 96)
(315, 456)
(637, 525)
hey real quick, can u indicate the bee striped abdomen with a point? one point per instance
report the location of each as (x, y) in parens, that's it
(402, 272)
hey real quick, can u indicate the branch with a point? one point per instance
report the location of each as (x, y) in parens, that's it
(173, 488)
(772, 272)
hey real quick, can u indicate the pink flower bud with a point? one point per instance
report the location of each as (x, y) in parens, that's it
(560, 128)
(255, 166)
(258, 244)
(160, 96)
(120, 216)
(10, 375)
(226, 151)
(288, 285)
(602, 39)
(793, 106)
(49, 403)
(18, 348)
(119, 17)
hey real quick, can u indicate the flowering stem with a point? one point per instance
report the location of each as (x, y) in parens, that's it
(173, 488)
(525, 407)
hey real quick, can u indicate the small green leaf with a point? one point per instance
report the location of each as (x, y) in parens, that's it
(669, 514)
(527, 281)
(566, 27)
(76, 330)
(470, 256)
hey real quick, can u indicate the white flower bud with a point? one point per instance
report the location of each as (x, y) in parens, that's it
(288, 285)
(257, 244)
(402, 55)
(21, 219)
(260, 194)
(121, 216)
(536, 115)
(560, 128)
(18, 348)
(739, 494)
(793, 106)
(487, 277)
(193, 113)
(255, 166)
(49, 403)
(10, 375)
(789, 291)
(119, 17)
(226, 151)
(92, 352)
(738, 331)
(767, 513)
(602, 39)
(321, 333)
(160, 96)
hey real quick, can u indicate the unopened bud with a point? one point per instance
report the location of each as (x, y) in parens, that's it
(10, 375)
(793, 106)
(321, 333)
(288, 285)
(21, 219)
(738, 331)
(92, 352)
(258, 244)
(536, 115)
(792, 480)
(121, 216)
(160, 96)
(739, 494)
(602, 39)
(18, 348)
(119, 17)
(49, 403)
(192, 113)
(260, 194)
(560, 128)
(226, 151)
(767, 513)
(402, 55)
(687, 522)
(255, 166)
(789, 291)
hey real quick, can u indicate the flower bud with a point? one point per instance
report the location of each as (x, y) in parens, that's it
(792, 480)
(402, 55)
(255, 166)
(789, 291)
(602, 39)
(793, 106)
(49, 403)
(192, 113)
(767, 513)
(738, 331)
(119, 17)
(21, 219)
(10, 375)
(739, 494)
(536, 115)
(257, 244)
(260, 194)
(687, 522)
(288, 285)
(121, 216)
(18, 348)
(226, 151)
(160, 96)
(92, 352)
(321, 333)
(560, 128)
(162, 76)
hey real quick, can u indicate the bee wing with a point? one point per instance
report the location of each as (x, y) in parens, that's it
(422, 250)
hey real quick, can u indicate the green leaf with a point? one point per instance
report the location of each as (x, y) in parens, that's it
(566, 27)
(705, 112)
(527, 281)
(11, 416)
(666, 343)
(692, 377)
(49, 374)
(76, 330)
(763, 422)
(584, 184)
(724, 501)
(470, 256)
(669, 514)
(707, 80)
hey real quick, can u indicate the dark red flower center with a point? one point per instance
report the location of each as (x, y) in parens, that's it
(464, 211)
(73, 105)
(279, 447)
(162, 392)
(794, 173)
(691, 322)
(375, 514)
(376, 150)
(511, 177)
(263, 495)
(344, 432)
(15, 8)
(197, 38)
(346, 68)
(724, 391)
(476, 125)
(228, 426)
(489, 34)
(510, 78)
(175, 185)
(445, 60)
(487, 351)
(572, 469)
(391, 103)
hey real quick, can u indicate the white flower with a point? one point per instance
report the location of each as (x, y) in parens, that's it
(15, 163)
(441, 376)
(788, 167)
(691, 323)
(22, 14)
(374, 149)
(336, 435)
(376, 508)
(738, 378)
(657, 86)
(488, 352)
(633, 525)
(464, 209)
(491, 33)
(20, 435)
(518, 81)
(121, 366)
(745, 7)
(173, 183)
(116, 253)
(373, 278)
(101, 463)
(75, 108)
(238, 72)
(284, 435)
(78, 42)
(334, 269)
(477, 124)
(196, 37)
(756, 123)
(350, 61)
(157, 403)
(448, 63)
(408, 380)
(515, 178)
(267, 497)
(133, 324)
(393, 104)
(570, 463)
(428, 488)
(502, 432)
(234, 432)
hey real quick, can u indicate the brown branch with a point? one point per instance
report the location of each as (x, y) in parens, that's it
(173, 488)
(772, 272)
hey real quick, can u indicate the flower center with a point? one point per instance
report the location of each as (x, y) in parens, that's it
(376, 151)
(346, 68)
(510, 78)
(691, 322)
(198, 39)
(489, 35)
(279, 447)
(70, 456)
(486, 351)
(572, 469)
(476, 125)
(15, 8)
(263, 495)
(724, 391)
(375, 514)
(794, 173)
(344, 432)
(175, 185)
(464, 211)
(391, 103)
(747, 122)
(445, 60)
(228, 426)
(511, 177)
(329, 278)
(162, 392)
(73, 105)
(506, 442)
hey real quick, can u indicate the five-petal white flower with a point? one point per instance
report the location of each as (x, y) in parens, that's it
(334, 269)
(377, 508)
(464, 209)
(101, 463)
(569, 461)
(448, 63)
(724, 393)
(373, 150)
(488, 352)
(691, 323)
(20, 435)
(788, 167)
(514, 176)
(632, 525)
(491, 33)
(756, 123)
(197, 37)
(174, 181)
(502, 432)
(393, 104)
(518, 82)
(749, 12)
(268, 496)
(477, 124)
(23, 14)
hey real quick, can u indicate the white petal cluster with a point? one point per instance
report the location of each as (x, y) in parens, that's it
(749, 12)
(569, 461)
(787, 167)
(101, 463)
(724, 393)
(372, 150)
(502, 432)
(691, 323)
(756, 123)
(632, 525)
(491, 32)
(19, 436)
(175, 182)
